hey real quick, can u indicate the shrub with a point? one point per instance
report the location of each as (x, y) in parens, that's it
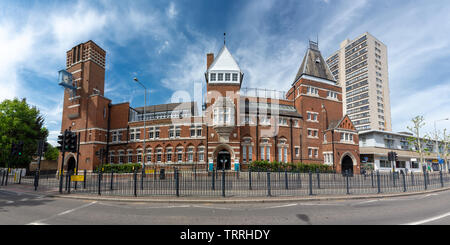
(120, 168)
(265, 166)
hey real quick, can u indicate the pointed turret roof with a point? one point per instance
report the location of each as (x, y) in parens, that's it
(314, 65)
(224, 61)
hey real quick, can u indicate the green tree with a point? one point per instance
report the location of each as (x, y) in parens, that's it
(19, 122)
(52, 153)
(417, 141)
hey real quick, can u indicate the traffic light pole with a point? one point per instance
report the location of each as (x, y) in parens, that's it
(61, 171)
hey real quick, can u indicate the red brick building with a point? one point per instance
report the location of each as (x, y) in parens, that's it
(234, 127)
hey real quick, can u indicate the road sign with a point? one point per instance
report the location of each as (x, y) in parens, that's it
(77, 178)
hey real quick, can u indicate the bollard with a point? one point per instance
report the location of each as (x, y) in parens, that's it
(249, 179)
(404, 182)
(286, 179)
(310, 183)
(68, 178)
(268, 185)
(378, 181)
(223, 182)
(346, 178)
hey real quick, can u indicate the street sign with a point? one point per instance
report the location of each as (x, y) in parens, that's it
(77, 178)
(149, 171)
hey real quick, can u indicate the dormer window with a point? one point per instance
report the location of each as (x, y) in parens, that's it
(227, 77)
(220, 77)
(213, 76)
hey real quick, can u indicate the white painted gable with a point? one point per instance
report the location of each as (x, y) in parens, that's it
(224, 62)
(224, 66)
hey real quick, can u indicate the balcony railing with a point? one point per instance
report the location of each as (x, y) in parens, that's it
(263, 93)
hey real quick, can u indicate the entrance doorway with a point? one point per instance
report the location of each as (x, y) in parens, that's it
(71, 164)
(223, 160)
(347, 165)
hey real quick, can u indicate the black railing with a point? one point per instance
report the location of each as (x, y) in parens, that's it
(182, 183)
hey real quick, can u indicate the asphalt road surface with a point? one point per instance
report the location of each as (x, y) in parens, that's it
(18, 208)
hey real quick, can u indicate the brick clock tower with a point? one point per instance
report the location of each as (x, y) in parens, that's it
(223, 83)
(85, 110)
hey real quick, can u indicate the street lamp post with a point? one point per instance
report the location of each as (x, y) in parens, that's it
(436, 136)
(145, 105)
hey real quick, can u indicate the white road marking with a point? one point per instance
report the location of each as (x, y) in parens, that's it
(281, 206)
(37, 223)
(429, 220)
(63, 213)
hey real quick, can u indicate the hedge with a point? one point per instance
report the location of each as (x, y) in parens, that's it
(120, 168)
(290, 167)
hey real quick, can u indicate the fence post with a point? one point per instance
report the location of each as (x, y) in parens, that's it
(36, 180)
(68, 179)
(84, 180)
(299, 179)
(223, 182)
(20, 176)
(213, 180)
(318, 178)
(177, 182)
(135, 182)
(404, 182)
(286, 179)
(310, 183)
(425, 180)
(440, 176)
(346, 178)
(393, 177)
(378, 181)
(142, 178)
(112, 177)
(268, 185)
(99, 181)
(412, 178)
(371, 176)
(249, 179)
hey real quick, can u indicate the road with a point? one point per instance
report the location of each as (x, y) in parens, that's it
(19, 208)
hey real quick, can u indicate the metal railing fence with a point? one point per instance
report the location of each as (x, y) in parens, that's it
(174, 182)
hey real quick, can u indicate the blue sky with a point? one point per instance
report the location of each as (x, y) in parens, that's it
(164, 43)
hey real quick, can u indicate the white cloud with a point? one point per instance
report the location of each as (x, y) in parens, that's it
(171, 11)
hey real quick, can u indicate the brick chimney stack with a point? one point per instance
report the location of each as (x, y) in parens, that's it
(209, 60)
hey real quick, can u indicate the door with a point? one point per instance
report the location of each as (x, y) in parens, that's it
(223, 160)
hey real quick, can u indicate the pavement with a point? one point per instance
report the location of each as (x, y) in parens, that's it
(54, 192)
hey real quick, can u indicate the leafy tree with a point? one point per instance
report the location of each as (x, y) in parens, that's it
(19, 122)
(52, 153)
(417, 140)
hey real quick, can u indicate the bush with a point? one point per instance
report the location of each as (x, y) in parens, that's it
(265, 166)
(120, 168)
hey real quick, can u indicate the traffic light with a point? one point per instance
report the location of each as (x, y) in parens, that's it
(73, 142)
(395, 156)
(67, 140)
(20, 148)
(60, 142)
(13, 149)
(390, 158)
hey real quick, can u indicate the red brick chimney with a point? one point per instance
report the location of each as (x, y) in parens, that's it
(209, 60)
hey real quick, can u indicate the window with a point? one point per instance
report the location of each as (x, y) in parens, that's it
(220, 77)
(310, 152)
(178, 131)
(285, 155)
(414, 165)
(268, 153)
(227, 76)
(385, 164)
(297, 151)
(332, 95)
(244, 153)
(180, 154)
(158, 155)
(169, 155)
(192, 132)
(157, 132)
(262, 153)
(213, 76)
(191, 154)
(235, 77)
(149, 156)
(312, 91)
(201, 154)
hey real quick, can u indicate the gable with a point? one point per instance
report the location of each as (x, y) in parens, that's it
(346, 123)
